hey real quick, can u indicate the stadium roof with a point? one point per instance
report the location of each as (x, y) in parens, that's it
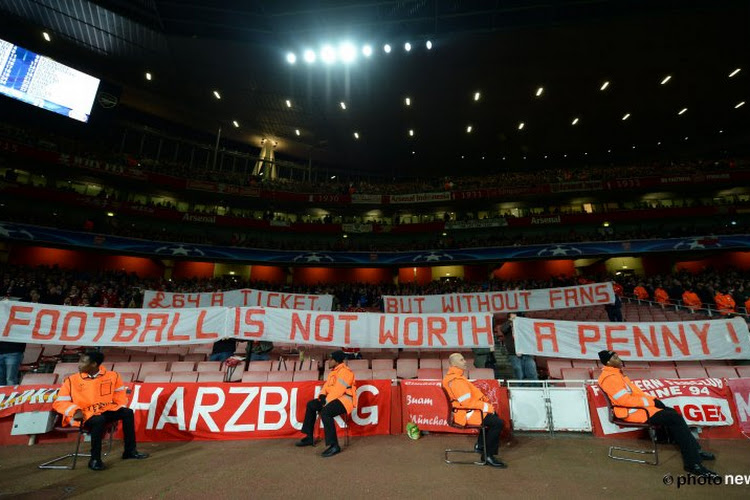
(658, 60)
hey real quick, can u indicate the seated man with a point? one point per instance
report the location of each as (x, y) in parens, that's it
(464, 394)
(640, 408)
(94, 397)
(338, 396)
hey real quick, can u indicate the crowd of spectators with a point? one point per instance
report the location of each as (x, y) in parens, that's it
(53, 285)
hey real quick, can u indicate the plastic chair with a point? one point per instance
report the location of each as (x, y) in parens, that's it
(181, 377)
(555, 366)
(622, 423)
(81, 431)
(691, 371)
(39, 379)
(429, 373)
(286, 376)
(721, 371)
(260, 366)
(305, 375)
(451, 422)
(182, 366)
(406, 368)
(430, 363)
(384, 374)
(382, 364)
(256, 376)
(210, 376)
(358, 364)
(482, 373)
(156, 377)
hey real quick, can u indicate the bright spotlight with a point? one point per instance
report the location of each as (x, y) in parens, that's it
(407, 46)
(347, 52)
(367, 50)
(46, 36)
(291, 58)
(309, 56)
(387, 48)
(328, 54)
(428, 44)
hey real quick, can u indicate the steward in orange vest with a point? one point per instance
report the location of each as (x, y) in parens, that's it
(633, 405)
(464, 394)
(661, 296)
(724, 303)
(95, 397)
(690, 299)
(337, 397)
(640, 293)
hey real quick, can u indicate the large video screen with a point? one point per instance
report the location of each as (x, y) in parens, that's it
(42, 82)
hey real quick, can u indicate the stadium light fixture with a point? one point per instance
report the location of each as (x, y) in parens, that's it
(46, 36)
(291, 58)
(148, 76)
(333, 177)
(666, 79)
(342, 104)
(407, 101)
(309, 56)
(288, 103)
(367, 50)
(356, 135)
(428, 44)
(733, 73)
(682, 111)
(604, 86)
(407, 47)
(411, 132)
(235, 123)
(387, 48)
(296, 132)
(739, 104)
(328, 54)
(626, 116)
(575, 120)
(521, 126)
(477, 96)
(469, 129)
(347, 53)
(216, 94)
(539, 91)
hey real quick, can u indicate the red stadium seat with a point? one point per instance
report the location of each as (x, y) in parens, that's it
(482, 373)
(555, 366)
(743, 371)
(207, 376)
(362, 374)
(664, 372)
(358, 364)
(260, 366)
(691, 371)
(151, 367)
(208, 366)
(384, 374)
(575, 374)
(382, 364)
(277, 376)
(305, 375)
(156, 377)
(256, 376)
(431, 363)
(430, 373)
(721, 372)
(39, 379)
(182, 366)
(406, 368)
(181, 377)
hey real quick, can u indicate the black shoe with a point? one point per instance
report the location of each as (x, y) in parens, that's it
(706, 455)
(134, 455)
(493, 461)
(478, 448)
(331, 451)
(305, 441)
(96, 464)
(700, 471)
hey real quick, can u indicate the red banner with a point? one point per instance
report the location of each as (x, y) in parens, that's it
(424, 404)
(703, 402)
(186, 412)
(740, 388)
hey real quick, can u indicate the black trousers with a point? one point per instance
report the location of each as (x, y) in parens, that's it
(327, 414)
(493, 426)
(681, 434)
(96, 425)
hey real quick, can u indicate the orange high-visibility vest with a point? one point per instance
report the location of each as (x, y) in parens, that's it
(622, 392)
(691, 300)
(341, 385)
(724, 303)
(464, 394)
(93, 395)
(661, 296)
(640, 293)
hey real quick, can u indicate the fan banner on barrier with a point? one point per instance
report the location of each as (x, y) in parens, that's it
(595, 294)
(208, 411)
(703, 402)
(740, 388)
(662, 341)
(423, 403)
(244, 297)
(84, 326)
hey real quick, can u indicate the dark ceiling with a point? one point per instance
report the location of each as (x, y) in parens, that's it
(503, 49)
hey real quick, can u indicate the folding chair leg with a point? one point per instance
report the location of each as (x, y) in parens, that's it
(654, 451)
(74, 456)
(466, 462)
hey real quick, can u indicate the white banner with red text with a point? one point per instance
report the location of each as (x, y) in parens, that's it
(48, 324)
(740, 388)
(424, 403)
(663, 341)
(507, 301)
(244, 297)
(703, 402)
(208, 411)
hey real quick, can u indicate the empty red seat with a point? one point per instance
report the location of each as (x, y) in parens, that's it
(358, 364)
(305, 375)
(260, 366)
(210, 376)
(181, 377)
(406, 367)
(743, 371)
(208, 366)
(431, 363)
(151, 367)
(39, 379)
(277, 376)
(382, 364)
(384, 374)
(721, 371)
(575, 374)
(362, 374)
(256, 376)
(182, 366)
(691, 371)
(155, 377)
(664, 372)
(555, 366)
(481, 373)
(430, 373)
